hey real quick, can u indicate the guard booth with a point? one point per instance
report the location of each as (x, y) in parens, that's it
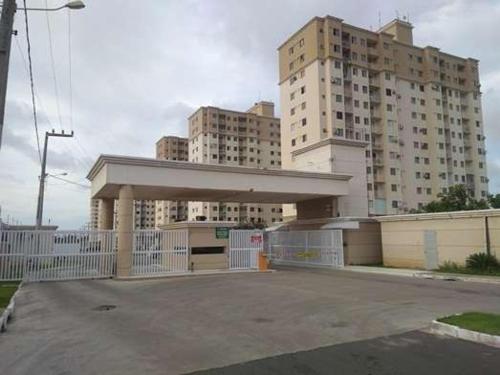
(220, 246)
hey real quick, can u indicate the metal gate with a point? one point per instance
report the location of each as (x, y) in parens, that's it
(244, 248)
(160, 252)
(40, 255)
(313, 247)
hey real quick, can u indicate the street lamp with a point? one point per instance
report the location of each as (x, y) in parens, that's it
(75, 5)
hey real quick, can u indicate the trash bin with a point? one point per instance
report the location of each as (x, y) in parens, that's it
(262, 261)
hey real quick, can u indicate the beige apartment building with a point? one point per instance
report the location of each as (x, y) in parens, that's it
(171, 148)
(252, 138)
(405, 120)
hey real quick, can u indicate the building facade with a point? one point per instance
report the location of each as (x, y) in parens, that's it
(252, 138)
(414, 112)
(171, 148)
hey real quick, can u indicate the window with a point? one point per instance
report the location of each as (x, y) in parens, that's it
(393, 171)
(388, 92)
(304, 121)
(340, 115)
(338, 98)
(394, 187)
(304, 138)
(394, 204)
(293, 142)
(387, 76)
(303, 90)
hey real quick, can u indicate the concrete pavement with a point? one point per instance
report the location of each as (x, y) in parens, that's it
(181, 325)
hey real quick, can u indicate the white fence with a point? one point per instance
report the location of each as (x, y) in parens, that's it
(159, 252)
(57, 255)
(314, 247)
(244, 248)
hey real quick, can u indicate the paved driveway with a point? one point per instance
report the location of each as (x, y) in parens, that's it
(181, 325)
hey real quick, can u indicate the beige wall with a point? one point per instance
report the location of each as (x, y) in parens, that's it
(363, 245)
(202, 234)
(458, 235)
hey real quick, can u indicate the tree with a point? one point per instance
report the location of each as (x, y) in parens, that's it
(494, 200)
(457, 198)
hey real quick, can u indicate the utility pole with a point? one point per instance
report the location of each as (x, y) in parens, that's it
(43, 175)
(6, 23)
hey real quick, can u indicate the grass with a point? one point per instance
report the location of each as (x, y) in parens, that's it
(7, 289)
(450, 267)
(475, 321)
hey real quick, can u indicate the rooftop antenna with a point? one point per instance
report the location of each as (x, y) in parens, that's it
(379, 20)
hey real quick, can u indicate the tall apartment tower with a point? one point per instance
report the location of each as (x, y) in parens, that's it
(417, 112)
(171, 148)
(222, 136)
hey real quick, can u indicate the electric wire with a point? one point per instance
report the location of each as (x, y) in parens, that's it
(69, 181)
(83, 160)
(52, 63)
(32, 84)
(70, 71)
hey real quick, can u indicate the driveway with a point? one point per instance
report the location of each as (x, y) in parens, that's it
(181, 325)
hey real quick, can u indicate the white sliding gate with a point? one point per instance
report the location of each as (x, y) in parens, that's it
(244, 248)
(312, 247)
(40, 255)
(160, 252)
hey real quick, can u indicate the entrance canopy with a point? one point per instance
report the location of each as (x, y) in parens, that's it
(153, 179)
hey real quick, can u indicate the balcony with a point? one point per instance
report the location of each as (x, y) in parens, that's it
(375, 98)
(379, 178)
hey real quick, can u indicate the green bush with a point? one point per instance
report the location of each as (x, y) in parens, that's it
(449, 266)
(482, 261)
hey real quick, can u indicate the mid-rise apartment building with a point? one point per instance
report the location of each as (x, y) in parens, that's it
(171, 148)
(222, 136)
(415, 112)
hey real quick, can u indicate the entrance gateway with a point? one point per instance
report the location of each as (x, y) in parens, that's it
(127, 179)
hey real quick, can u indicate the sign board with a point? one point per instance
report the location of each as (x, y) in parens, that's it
(222, 233)
(256, 239)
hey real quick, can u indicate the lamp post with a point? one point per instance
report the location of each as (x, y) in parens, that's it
(9, 7)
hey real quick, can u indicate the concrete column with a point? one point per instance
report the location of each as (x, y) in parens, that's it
(125, 231)
(106, 214)
(317, 208)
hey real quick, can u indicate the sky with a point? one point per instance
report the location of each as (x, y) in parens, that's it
(139, 69)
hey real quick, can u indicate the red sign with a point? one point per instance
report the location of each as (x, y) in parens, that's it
(256, 238)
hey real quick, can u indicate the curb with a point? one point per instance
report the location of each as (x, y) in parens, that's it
(464, 334)
(189, 274)
(422, 274)
(8, 313)
(458, 277)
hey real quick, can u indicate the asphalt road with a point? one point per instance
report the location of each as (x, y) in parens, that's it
(182, 325)
(412, 353)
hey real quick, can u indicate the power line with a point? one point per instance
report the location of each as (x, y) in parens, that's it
(52, 63)
(82, 160)
(32, 85)
(70, 71)
(69, 181)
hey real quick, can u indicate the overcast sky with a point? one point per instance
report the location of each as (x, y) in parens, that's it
(141, 67)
